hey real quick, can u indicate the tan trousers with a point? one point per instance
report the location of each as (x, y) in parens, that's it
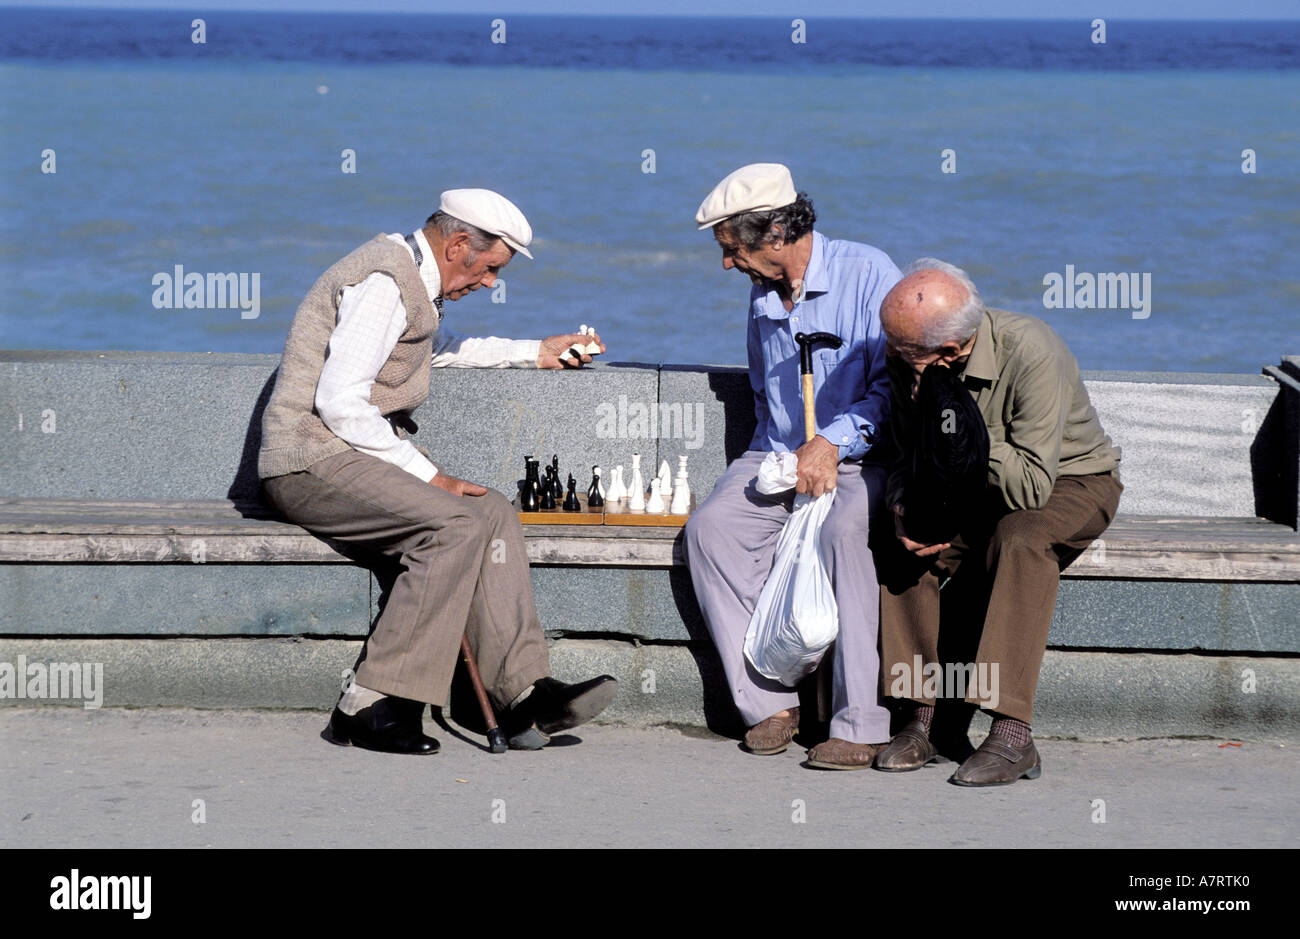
(996, 610)
(454, 565)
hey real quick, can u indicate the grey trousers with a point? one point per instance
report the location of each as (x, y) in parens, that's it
(461, 569)
(730, 546)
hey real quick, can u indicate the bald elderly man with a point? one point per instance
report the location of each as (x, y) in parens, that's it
(336, 460)
(801, 282)
(1052, 487)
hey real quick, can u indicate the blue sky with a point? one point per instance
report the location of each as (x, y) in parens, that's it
(1012, 9)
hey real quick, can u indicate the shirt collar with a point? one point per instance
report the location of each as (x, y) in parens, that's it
(428, 267)
(816, 281)
(983, 361)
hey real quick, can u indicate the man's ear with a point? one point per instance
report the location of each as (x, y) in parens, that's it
(456, 248)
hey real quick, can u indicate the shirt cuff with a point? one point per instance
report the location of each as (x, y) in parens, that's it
(421, 468)
(846, 437)
(524, 352)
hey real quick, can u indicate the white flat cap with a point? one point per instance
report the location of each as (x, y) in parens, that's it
(757, 187)
(492, 212)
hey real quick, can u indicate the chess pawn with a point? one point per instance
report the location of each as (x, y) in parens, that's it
(636, 488)
(529, 498)
(571, 503)
(593, 347)
(617, 491)
(595, 492)
(681, 496)
(655, 504)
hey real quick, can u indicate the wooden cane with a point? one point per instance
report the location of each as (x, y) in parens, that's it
(496, 737)
(805, 342)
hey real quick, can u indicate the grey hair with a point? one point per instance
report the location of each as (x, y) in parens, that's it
(959, 324)
(448, 225)
(754, 229)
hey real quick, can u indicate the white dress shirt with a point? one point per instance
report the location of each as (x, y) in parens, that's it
(371, 319)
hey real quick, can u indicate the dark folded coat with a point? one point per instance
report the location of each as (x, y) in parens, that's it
(948, 458)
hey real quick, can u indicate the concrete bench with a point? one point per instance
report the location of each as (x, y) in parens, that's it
(60, 531)
(129, 530)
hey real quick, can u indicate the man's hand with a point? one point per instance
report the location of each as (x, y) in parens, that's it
(548, 356)
(457, 487)
(920, 550)
(819, 466)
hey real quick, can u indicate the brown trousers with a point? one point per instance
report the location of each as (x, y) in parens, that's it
(452, 566)
(996, 608)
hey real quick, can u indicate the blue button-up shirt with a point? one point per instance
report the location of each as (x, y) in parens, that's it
(842, 290)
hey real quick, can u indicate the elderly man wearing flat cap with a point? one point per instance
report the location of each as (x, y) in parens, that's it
(802, 282)
(336, 460)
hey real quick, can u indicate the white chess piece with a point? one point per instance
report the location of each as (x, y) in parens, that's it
(655, 504)
(665, 480)
(681, 496)
(636, 499)
(617, 491)
(681, 465)
(593, 347)
(636, 488)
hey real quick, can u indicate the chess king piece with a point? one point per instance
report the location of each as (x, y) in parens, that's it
(617, 491)
(571, 503)
(595, 492)
(636, 488)
(529, 494)
(655, 504)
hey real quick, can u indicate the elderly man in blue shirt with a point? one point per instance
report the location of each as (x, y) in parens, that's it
(802, 282)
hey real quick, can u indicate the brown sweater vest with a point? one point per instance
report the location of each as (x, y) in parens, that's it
(293, 435)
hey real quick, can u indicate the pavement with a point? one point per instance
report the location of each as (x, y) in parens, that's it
(118, 778)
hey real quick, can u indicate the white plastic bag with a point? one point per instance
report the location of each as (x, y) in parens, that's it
(796, 618)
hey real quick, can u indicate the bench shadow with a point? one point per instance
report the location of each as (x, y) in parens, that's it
(1274, 465)
(245, 489)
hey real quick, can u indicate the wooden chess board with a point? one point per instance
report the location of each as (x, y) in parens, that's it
(618, 514)
(557, 516)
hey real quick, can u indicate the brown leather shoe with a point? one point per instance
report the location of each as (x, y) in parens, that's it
(840, 754)
(910, 749)
(772, 736)
(998, 763)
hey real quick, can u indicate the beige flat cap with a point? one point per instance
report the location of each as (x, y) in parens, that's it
(492, 212)
(757, 187)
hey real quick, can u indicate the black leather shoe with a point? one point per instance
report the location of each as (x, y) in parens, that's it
(554, 706)
(390, 725)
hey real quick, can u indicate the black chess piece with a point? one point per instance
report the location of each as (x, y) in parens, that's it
(571, 503)
(594, 499)
(529, 498)
(557, 487)
(548, 490)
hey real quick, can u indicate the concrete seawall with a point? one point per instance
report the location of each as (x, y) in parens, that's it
(137, 426)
